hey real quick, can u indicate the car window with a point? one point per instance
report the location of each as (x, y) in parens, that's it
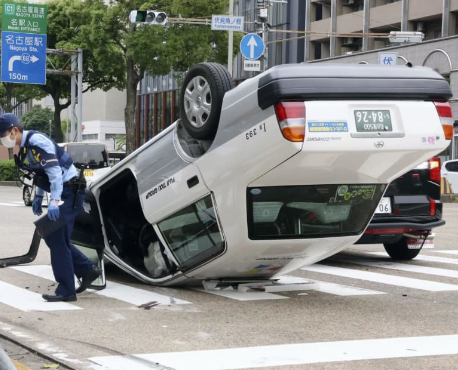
(310, 211)
(193, 234)
(91, 156)
(452, 166)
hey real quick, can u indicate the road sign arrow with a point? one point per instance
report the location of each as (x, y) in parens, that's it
(34, 59)
(252, 43)
(11, 61)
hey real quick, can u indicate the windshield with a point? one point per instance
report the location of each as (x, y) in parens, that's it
(311, 211)
(89, 156)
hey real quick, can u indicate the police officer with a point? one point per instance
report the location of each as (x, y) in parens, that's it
(54, 172)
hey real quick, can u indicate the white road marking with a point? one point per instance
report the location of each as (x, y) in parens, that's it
(450, 261)
(25, 300)
(11, 205)
(447, 251)
(381, 278)
(113, 290)
(289, 354)
(331, 288)
(288, 283)
(403, 267)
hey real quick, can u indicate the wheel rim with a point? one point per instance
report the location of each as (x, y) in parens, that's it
(197, 101)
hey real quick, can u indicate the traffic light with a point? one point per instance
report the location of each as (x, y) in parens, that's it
(148, 17)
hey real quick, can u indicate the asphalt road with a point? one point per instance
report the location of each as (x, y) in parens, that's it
(354, 311)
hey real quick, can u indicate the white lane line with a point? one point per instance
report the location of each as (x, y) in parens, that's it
(446, 251)
(113, 290)
(450, 261)
(11, 205)
(232, 293)
(289, 354)
(25, 300)
(403, 267)
(330, 288)
(288, 283)
(381, 278)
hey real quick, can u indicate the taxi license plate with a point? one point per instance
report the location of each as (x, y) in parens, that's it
(384, 206)
(88, 173)
(373, 120)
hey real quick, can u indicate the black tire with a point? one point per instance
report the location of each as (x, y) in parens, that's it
(201, 98)
(27, 195)
(400, 250)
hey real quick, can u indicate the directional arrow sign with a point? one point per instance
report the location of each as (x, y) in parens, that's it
(252, 46)
(23, 58)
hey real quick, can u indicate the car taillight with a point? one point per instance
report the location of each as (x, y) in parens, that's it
(291, 118)
(445, 114)
(435, 169)
(432, 207)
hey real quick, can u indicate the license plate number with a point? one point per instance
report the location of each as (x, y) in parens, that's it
(89, 173)
(384, 206)
(373, 120)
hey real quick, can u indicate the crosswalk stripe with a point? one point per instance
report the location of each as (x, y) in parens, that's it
(403, 267)
(330, 288)
(425, 258)
(288, 354)
(447, 251)
(381, 278)
(11, 205)
(114, 290)
(25, 300)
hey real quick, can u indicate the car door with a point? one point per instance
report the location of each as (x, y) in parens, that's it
(450, 172)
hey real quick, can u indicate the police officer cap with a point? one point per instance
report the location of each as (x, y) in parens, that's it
(7, 122)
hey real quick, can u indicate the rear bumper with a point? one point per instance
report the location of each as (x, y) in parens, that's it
(392, 232)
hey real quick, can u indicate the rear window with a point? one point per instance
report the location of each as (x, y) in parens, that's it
(91, 156)
(311, 211)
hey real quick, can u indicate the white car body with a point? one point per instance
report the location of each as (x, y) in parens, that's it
(344, 170)
(449, 171)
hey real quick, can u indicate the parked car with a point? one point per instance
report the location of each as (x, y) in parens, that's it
(449, 171)
(92, 157)
(258, 180)
(408, 212)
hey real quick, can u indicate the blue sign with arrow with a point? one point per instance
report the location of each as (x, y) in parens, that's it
(23, 58)
(252, 46)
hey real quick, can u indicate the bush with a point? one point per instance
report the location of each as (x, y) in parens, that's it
(7, 170)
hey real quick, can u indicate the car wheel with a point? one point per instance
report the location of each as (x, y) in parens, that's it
(27, 195)
(400, 250)
(201, 99)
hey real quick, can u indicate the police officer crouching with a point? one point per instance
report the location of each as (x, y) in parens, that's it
(53, 171)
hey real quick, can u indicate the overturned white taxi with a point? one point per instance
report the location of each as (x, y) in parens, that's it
(259, 180)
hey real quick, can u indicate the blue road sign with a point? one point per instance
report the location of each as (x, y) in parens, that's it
(252, 46)
(23, 58)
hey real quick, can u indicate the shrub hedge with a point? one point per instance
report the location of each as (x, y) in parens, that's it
(7, 170)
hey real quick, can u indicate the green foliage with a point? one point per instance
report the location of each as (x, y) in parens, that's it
(37, 118)
(7, 170)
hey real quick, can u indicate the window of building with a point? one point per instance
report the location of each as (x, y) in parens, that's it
(90, 136)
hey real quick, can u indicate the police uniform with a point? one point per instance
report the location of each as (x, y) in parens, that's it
(53, 171)
(66, 259)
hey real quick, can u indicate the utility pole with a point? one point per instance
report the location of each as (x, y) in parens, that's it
(262, 14)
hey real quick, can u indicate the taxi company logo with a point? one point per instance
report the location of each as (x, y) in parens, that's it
(9, 9)
(379, 144)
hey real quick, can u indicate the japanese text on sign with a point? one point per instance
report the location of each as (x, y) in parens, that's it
(19, 42)
(24, 18)
(327, 126)
(227, 23)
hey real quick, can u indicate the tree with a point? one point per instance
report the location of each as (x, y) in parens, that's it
(39, 119)
(69, 22)
(158, 49)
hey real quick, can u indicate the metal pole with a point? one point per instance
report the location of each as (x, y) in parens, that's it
(307, 29)
(405, 15)
(445, 18)
(80, 94)
(231, 40)
(366, 21)
(72, 99)
(332, 39)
